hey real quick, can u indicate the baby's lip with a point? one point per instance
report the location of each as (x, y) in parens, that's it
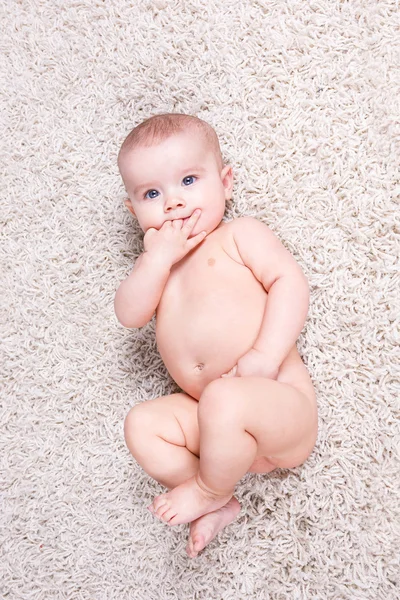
(177, 218)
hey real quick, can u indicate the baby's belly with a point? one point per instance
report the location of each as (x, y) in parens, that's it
(210, 314)
(206, 325)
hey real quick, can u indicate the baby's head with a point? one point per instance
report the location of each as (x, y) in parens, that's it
(171, 164)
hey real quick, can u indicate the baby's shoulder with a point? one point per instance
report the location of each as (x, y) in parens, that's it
(243, 222)
(241, 231)
(231, 232)
(245, 226)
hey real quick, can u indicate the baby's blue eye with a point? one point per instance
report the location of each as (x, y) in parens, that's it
(186, 180)
(149, 192)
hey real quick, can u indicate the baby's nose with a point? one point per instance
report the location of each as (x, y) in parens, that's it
(174, 202)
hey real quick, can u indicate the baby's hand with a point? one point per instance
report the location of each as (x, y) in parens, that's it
(254, 363)
(170, 243)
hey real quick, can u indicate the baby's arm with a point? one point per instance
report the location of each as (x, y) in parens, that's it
(287, 286)
(139, 294)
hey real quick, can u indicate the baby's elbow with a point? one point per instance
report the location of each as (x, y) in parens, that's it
(125, 321)
(129, 325)
(298, 287)
(304, 291)
(304, 282)
(129, 322)
(122, 316)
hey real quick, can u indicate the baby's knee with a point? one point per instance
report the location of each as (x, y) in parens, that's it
(217, 400)
(137, 426)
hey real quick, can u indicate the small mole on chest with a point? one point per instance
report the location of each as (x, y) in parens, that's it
(211, 261)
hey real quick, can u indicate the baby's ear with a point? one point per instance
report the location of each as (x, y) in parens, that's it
(227, 180)
(129, 206)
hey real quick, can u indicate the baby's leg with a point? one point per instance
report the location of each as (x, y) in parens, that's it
(163, 436)
(240, 419)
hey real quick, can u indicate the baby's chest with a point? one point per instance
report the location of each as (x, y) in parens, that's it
(211, 281)
(209, 314)
(212, 269)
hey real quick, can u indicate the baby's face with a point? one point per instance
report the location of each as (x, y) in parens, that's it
(171, 179)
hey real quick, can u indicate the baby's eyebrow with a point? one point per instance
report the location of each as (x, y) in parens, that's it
(195, 169)
(143, 186)
(198, 169)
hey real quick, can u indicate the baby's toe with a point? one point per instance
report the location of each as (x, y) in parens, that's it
(168, 515)
(174, 520)
(189, 550)
(160, 501)
(160, 512)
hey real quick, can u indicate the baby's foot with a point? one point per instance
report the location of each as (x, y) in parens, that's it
(204, 529)
(186, 502)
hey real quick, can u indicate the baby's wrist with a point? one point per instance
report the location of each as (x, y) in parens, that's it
(155, 260)
(269, 359)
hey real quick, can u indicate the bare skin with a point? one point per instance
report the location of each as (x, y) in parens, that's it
(231, 441)
(190, 500)
(213, 319)
(202, 494)
(205, 528)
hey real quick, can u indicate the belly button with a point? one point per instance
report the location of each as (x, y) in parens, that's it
(199, 367)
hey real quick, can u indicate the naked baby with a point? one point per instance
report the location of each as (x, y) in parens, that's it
(230, 303)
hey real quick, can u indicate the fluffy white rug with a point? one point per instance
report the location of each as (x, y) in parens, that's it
(305, 98)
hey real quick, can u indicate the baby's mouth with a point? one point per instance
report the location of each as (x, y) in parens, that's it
(184, 220)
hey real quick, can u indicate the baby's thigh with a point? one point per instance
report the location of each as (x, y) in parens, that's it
(172, 417)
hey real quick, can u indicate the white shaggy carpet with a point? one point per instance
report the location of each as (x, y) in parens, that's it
(305, 98)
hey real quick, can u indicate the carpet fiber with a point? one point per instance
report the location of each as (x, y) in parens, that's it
(304, 96)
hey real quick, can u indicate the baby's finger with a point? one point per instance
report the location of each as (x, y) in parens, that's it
(230, 373)
(166, 224)
(196, 239)
(193, 218)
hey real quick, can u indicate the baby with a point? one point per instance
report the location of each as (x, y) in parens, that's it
(230, 303)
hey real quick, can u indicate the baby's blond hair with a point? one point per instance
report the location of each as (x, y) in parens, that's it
(159, 127)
